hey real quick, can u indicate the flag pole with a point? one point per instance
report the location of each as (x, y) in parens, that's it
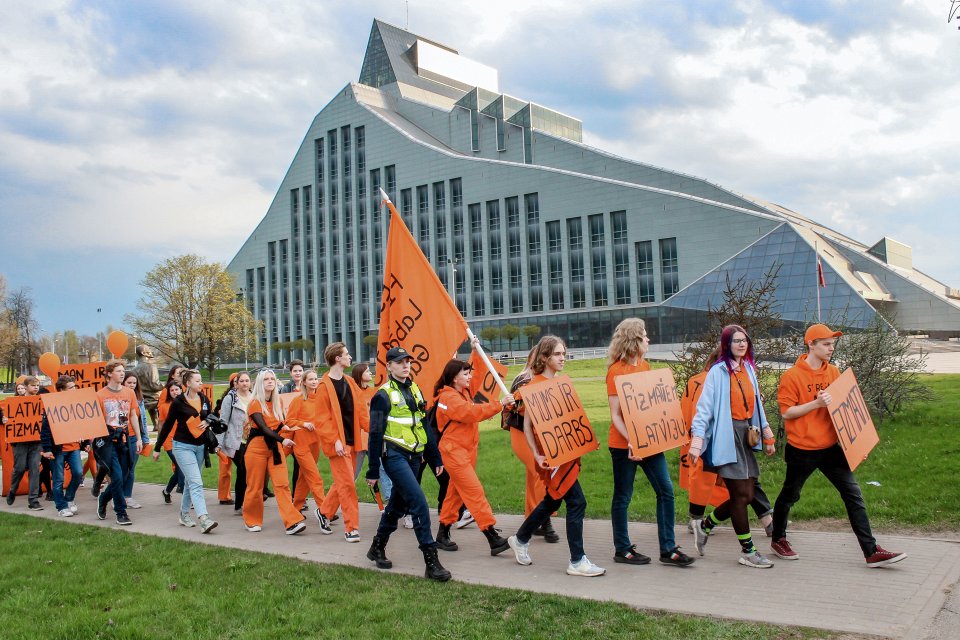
(474, 342)
(816, 249)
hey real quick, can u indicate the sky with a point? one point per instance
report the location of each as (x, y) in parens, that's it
(132, 131)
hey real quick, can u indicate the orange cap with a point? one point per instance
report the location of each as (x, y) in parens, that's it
(820, 332)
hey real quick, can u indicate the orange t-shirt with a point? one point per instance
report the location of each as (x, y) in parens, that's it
(113, 403)
(742, 397)
(800, 385)
(163, 408)
(621, 368)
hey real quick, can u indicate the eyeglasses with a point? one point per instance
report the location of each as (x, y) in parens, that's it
(739, 341)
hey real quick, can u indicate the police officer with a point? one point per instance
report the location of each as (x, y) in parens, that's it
(399, 442)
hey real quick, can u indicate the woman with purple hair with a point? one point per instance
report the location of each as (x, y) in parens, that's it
(727, 428)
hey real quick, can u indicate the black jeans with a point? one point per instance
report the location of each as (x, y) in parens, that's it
(240, 485)
(831, 462)
(576, 508)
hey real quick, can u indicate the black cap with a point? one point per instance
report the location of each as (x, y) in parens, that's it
(397, 353)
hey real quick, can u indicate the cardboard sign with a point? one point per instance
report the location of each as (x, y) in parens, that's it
(24, 415)
(88, 375)
(651, 411)
(483, 385)
(207, 390)
(74, 415)
(851, 418)
(286, 399)
(559, 420)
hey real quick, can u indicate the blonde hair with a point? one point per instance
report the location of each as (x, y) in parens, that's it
(541, 352)
(303, 381)
(273, 406)
(627, 341)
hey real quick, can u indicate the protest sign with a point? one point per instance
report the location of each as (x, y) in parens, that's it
(88, 375)
(483, 385)
(74, 415)
(24, 414)
(286, 399)
(651, 411)
(559, 420)
(851, 418)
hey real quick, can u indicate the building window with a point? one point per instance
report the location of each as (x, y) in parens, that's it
(669, 268)
(645, 278)
(406, 207)
(532, 204)
(440, 218)
(347, 156)
(294, 201)
(423, 218)
(456, 215)
(360, 137)
(621, 257)
(375, 193)
(598, 260)
(318, 145)
(332, 154)
(391, 180)
(578, 294)
(307, 197)
(493, 223)
(555, 262)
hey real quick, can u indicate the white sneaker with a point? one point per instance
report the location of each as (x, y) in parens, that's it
(73, 507)
(464, 520)
(352, 536)
(133, 504)
(66, 513)
(692, 523)
(186, 520)
(585, 568)
(520, 550)
(252, 528)
(207, 524)
(755, 560)
(408, 522)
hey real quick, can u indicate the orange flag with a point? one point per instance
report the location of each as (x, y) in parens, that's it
(415, 311)
(483, 387)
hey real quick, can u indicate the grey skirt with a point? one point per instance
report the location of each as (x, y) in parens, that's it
(746, 465)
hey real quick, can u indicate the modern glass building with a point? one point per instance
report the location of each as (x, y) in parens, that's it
(525, 224)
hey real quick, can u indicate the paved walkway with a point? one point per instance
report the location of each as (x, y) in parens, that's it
(829, 588)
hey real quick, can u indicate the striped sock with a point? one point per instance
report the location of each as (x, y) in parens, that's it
(746, 542)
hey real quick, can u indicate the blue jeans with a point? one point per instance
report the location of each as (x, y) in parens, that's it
(189, 458)
(129, 478)
(407, 496)
(63, 498)
(112, 455)
(624, 473)
(576, 508)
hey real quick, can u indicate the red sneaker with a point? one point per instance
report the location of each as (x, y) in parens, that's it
(881, 557)
(783, 549)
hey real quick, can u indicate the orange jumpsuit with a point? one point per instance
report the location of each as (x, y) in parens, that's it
(259, 461)
(343, 492)
(458, 418)
(306, 450)
(535, 489)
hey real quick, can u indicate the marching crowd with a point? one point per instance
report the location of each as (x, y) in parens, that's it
(402, 431)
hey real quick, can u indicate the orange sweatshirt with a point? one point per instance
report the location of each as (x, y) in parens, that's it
(800, 385)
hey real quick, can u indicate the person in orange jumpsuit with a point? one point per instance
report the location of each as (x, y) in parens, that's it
(344, 415)
(513, 418)
(457, 419)
(266, 435)
(303, 420)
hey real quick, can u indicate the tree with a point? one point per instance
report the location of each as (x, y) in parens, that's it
(8, 332)
(750, 304)
(509, 332)
(490, 334)
(887, 369)
(531, 331)
(19, 310)
(190, 313)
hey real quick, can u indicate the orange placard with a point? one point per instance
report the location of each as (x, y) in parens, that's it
(74, 415)
(416, 312)
(24, 415)
(851, 418)
(559, 420)
(651, 411)
(286, 399)
(88, 375)
(483, 386)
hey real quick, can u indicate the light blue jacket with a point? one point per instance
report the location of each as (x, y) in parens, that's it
(713, 421)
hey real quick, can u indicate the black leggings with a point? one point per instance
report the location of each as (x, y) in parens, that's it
(760, 503)
(741, 494)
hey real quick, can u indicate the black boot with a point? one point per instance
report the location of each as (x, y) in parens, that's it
(497, 544)
(549, 534)
(443, 539)
(435, 570)
(378, 553)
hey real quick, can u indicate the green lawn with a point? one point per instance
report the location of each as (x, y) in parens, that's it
(912, 463)
(78, 581)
